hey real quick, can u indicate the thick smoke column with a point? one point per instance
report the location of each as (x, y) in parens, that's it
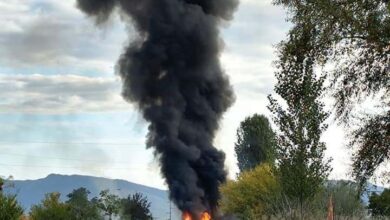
(173, 74)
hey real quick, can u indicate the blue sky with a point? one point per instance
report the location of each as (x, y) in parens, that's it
(60, 104)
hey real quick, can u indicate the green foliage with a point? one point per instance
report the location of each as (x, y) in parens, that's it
(302, 169)
(108, 203)
(346, 200)
(354, 37)
(257, 195)
(6, 183)
(51, 208)
(1, 184)
(252, 195)
(373, 139)
(135, 207)
(255, 142)
(379, 205)
(9, 208)
(80, 207)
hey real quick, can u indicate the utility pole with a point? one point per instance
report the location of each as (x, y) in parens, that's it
(170, 210)
(330, 208)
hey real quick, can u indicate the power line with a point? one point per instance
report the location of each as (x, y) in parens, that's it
(61, 167)
(57, 158)
(73, 143)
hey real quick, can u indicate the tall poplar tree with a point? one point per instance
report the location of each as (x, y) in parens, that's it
(300, 120)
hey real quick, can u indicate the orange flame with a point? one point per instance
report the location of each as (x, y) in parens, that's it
(204, 216)
(187, 216)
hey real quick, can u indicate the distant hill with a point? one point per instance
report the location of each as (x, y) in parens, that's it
(371, 188)
(31, 192)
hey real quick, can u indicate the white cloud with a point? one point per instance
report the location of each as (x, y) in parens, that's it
(59, 94)
(48, 33)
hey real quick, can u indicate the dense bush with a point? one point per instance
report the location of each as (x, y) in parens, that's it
(135, 207)
(51, 208)
(252, 195)
(9, 208)
(379, 205)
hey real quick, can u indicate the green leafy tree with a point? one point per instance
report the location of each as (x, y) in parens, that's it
(80, 207)
(379, 205)
(6, 183)
(255, 142)
(135, 207)
(300, 153)
(354, 37)
(9, 208)
(253, 195)
(51, 208)
(108, 203)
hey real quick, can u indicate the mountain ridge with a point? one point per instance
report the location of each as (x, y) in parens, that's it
(30, 192)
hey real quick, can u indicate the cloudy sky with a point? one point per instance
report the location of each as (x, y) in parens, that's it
(60, 104)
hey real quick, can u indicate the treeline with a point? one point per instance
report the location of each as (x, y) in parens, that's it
(336, 49)
(78, 207)
(262, 192)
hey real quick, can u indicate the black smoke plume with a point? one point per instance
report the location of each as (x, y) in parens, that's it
(173, 75)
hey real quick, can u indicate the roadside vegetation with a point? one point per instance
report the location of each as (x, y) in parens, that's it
(259, 191)
(77, 206)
